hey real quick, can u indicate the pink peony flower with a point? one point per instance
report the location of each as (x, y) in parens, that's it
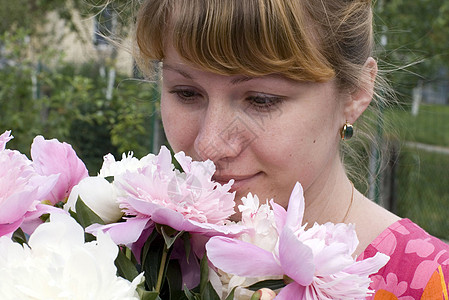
(188, 201)
(21, 188)
(316, 262)
(155, 192)
(53, 157)
(4, 138)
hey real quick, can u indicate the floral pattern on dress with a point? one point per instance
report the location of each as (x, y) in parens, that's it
(418, 266)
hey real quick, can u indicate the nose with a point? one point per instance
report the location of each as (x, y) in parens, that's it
(223, 134)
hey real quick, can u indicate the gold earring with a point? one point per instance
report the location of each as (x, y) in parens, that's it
(347, 131)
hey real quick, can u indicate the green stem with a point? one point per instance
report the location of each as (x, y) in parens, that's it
(161, 269)
(128, 253)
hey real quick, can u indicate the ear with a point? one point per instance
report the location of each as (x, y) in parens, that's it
(361, 97)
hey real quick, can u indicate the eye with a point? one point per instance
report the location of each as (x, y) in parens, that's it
(185, 94)
(263, 102)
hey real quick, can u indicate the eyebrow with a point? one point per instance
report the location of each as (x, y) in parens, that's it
(234, 81)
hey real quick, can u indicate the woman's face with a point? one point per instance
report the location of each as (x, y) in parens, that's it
(266, 133)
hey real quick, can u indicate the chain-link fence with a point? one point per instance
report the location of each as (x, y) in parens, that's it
(416, 180)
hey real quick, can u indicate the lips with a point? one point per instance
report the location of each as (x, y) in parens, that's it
(240, 181)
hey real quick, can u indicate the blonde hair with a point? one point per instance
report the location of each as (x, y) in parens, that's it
(309, 40)
(305, 40)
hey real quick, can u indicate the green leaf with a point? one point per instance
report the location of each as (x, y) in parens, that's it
(86, 216)
(19, 237)
(110, 179)
(272, 284)
(231, 294)
(169, 240)
(204, 277)
(146, 246)
(189, 294)
(73, 215)
(187, 246)
(147, 295)
(209, 292)
(125, 267)
(151, 262)
(174, 280)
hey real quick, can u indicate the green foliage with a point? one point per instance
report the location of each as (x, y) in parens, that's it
(430, 126)
(69, 104)
(272, 284)
(421, 188)
(417, 34)
(423, 193)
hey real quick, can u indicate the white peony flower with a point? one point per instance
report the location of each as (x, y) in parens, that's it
(99, 195)
(259, 218)
(60, 265)
(111, 167)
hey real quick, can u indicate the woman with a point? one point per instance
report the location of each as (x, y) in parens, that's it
(269, 90)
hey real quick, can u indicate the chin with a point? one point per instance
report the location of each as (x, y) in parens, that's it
(237, 216)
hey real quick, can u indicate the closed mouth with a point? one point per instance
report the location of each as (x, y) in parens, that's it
(239, 180)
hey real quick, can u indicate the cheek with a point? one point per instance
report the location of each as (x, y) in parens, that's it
(180, 127)
(307, 145)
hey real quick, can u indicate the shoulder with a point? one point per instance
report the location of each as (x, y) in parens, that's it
(418, 265)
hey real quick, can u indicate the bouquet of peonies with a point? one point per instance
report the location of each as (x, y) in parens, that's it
(143, 229)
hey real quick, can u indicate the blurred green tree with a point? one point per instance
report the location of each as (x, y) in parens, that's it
(415, 40)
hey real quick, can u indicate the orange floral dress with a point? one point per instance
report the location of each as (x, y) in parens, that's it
(418, 267)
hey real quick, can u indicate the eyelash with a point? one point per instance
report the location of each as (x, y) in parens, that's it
(267, 104)
(261, 103)
(181, 94)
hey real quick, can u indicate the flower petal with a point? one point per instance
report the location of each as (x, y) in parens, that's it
(369, 265)
(240, 258)
(4, 138)
(280, 216)
(295, 210)
(291, 291)
(32, 218)
(332, 259)
(6, 229)
(296, 258)
(123, 233)
(99, 195)
(53, 157)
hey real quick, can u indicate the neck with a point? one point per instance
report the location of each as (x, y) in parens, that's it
(329, 197)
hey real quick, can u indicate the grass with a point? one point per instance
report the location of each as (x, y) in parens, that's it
(430, 126)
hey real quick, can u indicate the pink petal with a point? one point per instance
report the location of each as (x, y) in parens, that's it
(8, 229)
(137, 246)
(280, 216)
(369, 265)
(332, 259)
(240, 258)
(295, 210)
(296, 258)
(32, 218)
(16, 205)
(52, 157)
(190, 270)
(163, 160)
(4, 138)
(174, 219)
(123, 233)
(291, 291)
(208, 229)
(184, 161)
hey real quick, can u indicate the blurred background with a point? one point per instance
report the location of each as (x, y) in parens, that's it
(61, 77)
